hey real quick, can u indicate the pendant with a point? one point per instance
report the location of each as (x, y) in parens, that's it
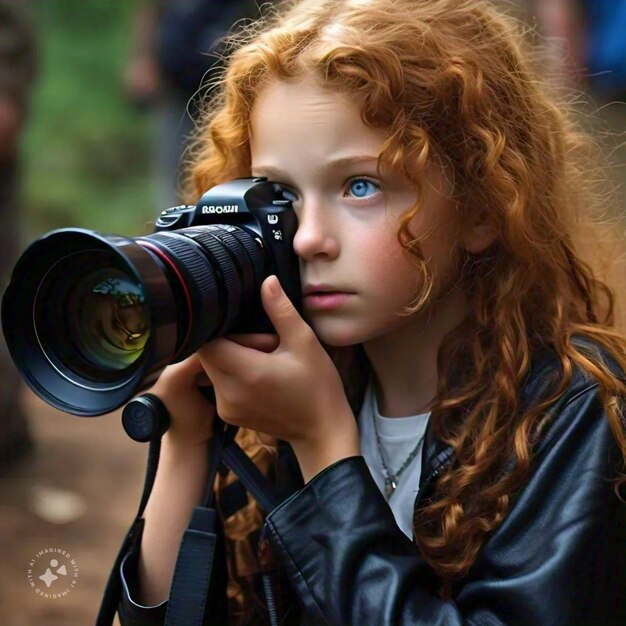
(390, 487)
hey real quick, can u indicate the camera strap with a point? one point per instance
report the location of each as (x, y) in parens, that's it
(113, 589)
(198, 591)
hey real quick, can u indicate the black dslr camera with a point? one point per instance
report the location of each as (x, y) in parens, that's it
(92, 319)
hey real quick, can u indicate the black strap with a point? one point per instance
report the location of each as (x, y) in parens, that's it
(198, 592)
(197, 595)
(221, 435)
(190, 590)
(113, 589)
(249, 474)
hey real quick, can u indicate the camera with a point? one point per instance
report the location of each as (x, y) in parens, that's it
(91, 319)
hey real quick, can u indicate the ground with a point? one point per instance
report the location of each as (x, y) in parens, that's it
(90, 467)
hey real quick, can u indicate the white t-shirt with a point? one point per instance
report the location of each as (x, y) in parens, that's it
(398, 436)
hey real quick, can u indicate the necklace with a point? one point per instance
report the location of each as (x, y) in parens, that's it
(391, 478)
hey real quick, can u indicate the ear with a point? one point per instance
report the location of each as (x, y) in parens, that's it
(479, 234)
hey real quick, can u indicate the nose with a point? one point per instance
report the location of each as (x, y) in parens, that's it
(316, 237)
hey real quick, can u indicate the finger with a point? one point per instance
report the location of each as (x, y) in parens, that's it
(186, 374)
(289, 325)
(193, 369)
(224, 357)
(264, 342)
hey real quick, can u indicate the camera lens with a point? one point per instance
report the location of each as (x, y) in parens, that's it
(92, 319)
(216, 272)
(108, 311)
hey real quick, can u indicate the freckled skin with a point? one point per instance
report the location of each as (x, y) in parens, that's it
(347, 241)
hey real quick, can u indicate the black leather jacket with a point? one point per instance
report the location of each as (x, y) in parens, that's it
(559, 557)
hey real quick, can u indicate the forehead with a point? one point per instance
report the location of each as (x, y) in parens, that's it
(305, 116)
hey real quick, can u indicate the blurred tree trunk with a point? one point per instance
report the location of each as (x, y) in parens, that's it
(17, 72)
(15, 438)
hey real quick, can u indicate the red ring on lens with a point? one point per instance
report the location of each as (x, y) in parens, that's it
(168, 261)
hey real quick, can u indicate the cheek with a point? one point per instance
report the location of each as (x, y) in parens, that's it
(390, 270)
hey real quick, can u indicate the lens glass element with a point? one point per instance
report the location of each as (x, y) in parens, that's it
(110, 319)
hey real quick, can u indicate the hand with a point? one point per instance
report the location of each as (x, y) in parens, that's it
(293, 393)
(191, 414)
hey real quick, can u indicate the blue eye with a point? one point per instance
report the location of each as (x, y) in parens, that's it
(363, 187)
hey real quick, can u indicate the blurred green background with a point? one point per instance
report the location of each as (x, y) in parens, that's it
(86, 148)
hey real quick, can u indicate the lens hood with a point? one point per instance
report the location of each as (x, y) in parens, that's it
(36, 324)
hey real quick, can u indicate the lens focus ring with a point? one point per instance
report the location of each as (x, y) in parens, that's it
(200, 281)
(243, 258)
(226, 267)
(255, 252)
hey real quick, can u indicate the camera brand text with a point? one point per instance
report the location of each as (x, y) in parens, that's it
(208, 209)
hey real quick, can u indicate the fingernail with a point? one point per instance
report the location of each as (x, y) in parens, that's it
(274, 285)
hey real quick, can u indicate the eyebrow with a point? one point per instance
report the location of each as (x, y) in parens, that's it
(329, 165)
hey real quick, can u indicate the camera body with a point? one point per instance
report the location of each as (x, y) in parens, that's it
(259, 206)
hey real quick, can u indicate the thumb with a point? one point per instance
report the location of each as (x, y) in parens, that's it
(283, 315)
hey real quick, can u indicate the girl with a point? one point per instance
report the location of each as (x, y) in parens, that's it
(445, 425)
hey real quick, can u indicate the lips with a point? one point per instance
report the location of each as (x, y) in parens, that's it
(322, 289)
(325, 297)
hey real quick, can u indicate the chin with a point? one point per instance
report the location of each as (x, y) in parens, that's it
(338, 334)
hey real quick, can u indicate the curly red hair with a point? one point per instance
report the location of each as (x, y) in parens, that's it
(455, 82)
